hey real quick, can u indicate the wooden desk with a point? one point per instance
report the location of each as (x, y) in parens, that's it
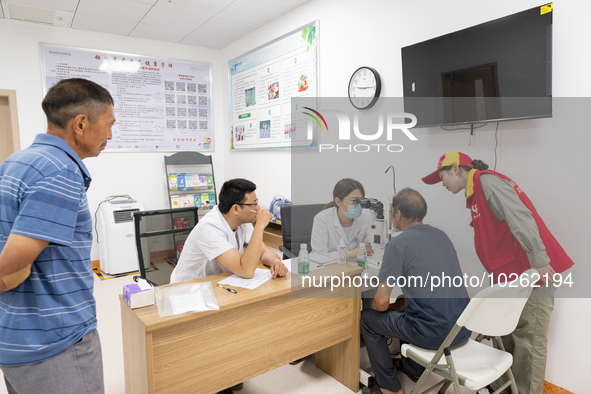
(255, 331)
(272, 235)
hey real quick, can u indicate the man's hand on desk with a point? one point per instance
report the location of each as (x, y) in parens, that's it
(278, 269)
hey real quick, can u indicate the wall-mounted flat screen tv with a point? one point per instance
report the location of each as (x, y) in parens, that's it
(495, 71)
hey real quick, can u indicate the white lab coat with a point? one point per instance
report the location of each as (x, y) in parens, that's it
(210, 238)
(327, 232)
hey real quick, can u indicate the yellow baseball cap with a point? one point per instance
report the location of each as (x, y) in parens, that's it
(446, 160)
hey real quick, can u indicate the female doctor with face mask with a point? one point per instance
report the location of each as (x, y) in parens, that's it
(342, 218)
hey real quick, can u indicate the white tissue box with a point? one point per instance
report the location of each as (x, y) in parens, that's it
(137, 295)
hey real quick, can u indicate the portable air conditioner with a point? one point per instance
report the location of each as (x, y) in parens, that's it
(116, 235)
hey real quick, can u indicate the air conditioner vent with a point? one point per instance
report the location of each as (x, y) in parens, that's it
(37, 15)
(31, 14)
(124, 215)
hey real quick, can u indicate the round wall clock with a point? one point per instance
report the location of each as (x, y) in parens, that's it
(364, 88)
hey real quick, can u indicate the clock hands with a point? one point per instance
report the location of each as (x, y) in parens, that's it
(365, 96)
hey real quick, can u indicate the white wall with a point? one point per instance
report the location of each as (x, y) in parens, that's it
(140, 175)
(544, 156)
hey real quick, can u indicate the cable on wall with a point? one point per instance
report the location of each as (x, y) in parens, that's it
(496, 144)
(393, 177)
(465, 128)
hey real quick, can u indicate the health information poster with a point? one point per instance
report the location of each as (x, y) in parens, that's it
(263, 84)
(160, 105)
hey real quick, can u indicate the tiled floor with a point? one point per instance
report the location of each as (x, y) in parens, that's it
(303, 378)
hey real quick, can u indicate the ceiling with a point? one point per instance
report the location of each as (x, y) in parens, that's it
(205, 23)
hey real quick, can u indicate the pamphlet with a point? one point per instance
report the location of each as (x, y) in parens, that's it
(188, 201)
(202, 181)
(172, 185)
(205, 201)
(181, 182)
(195, 183)
(188, 181)
(174, 201)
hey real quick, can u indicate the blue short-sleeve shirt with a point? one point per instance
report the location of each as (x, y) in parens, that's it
(43, 196)
(410, 259)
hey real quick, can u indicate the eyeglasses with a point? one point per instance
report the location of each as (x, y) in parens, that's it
(256, 202)
(354, 202)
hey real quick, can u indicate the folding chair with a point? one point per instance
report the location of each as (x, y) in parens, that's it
(493, 312)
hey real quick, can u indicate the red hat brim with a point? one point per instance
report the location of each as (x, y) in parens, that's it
(432, 178)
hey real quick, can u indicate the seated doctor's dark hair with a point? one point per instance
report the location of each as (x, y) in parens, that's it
(234, 192)
(71, 97)
(343, 188)
(410, 203)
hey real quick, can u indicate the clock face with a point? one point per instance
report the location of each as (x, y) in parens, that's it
(364, 88)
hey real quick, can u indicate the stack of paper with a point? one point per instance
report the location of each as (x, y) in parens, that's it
(260, 277)
(321, 259)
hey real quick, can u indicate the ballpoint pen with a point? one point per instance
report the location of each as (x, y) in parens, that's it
(230, 290)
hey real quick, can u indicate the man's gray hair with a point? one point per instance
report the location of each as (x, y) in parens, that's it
(410, 203)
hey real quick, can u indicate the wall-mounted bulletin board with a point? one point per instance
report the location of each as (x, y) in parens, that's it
(160, 104)
(263, 84)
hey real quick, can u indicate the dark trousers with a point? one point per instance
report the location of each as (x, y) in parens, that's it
(375, 327)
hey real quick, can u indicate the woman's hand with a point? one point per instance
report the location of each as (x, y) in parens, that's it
(369, 249)
(546, 272)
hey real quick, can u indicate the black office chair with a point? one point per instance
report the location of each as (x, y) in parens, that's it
(296, 227)
(171, 227)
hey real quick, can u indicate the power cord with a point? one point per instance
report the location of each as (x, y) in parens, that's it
(109, 198)
(496, 144)
(393, 177)
(465, 128)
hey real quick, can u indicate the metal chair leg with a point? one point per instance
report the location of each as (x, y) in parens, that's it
(499, 345)
(444, 388)
(452, 369)
(422, 380)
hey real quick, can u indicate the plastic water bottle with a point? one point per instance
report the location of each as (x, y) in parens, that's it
(342, 252)
(362, 257)
(303, 261)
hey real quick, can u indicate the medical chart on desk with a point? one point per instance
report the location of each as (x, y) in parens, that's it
(264, 82)
(160, 104)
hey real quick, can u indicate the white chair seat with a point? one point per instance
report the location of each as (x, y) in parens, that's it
(476, 364)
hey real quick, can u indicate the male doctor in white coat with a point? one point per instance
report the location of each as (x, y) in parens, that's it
(225, 239)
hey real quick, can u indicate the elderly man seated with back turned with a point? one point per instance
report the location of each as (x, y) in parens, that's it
(421, 250)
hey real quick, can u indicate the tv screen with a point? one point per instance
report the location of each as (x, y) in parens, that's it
(494, 71)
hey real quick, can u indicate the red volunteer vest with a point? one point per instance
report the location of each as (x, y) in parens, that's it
(496, 247)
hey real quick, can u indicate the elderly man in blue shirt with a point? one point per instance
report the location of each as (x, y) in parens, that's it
(48, 338)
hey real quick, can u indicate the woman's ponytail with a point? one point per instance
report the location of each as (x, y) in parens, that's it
(479, 165)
